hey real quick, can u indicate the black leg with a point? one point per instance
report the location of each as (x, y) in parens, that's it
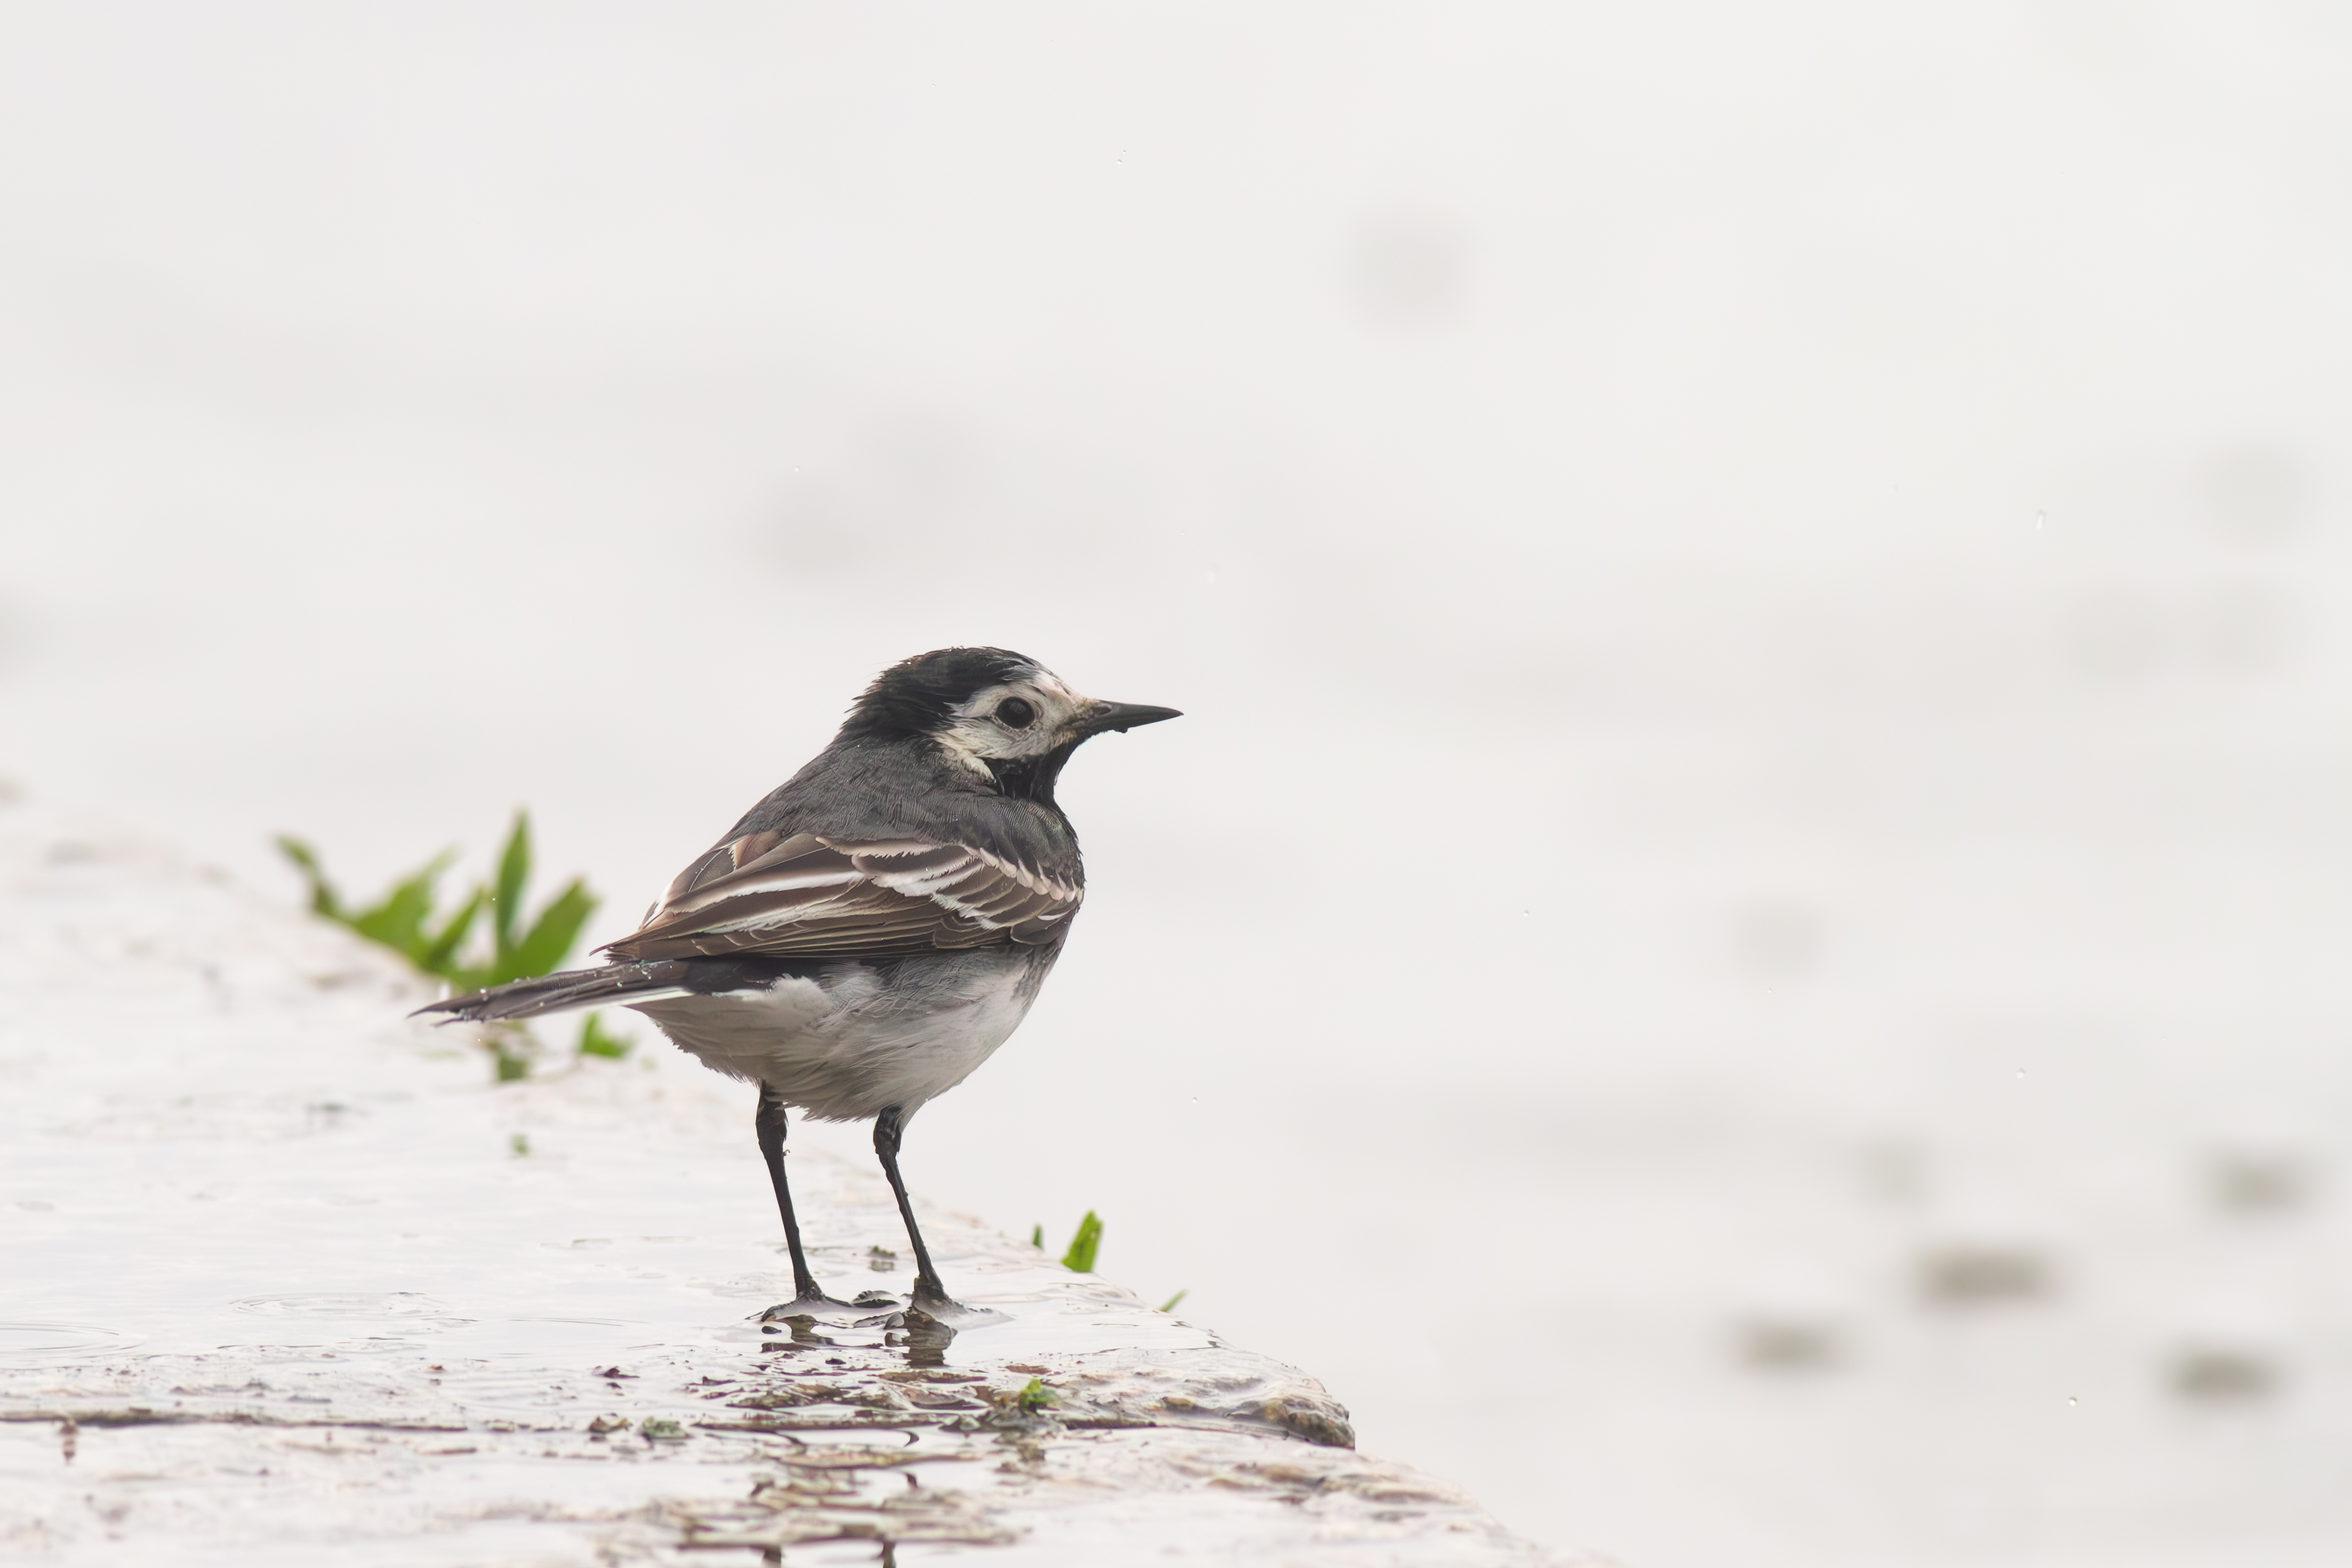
(928, 1291)
(769, 1122)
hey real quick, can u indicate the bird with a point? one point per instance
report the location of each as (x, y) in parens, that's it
(873, 930)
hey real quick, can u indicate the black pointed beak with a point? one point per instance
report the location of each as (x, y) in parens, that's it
(1124, 716)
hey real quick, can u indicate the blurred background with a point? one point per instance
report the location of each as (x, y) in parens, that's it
(1742, 945)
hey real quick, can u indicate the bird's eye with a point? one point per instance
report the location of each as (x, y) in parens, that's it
(1016, 713)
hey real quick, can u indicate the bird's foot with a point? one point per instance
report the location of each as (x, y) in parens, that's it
(932, 1301)
(808, 1303)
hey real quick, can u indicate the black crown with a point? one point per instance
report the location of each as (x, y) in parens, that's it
(916, 695)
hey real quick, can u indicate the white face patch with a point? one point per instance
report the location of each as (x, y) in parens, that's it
(986, 727)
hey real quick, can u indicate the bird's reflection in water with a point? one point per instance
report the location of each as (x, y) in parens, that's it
(927, 1339)
(802, 1324)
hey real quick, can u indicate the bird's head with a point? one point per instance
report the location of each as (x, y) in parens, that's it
(995, 712)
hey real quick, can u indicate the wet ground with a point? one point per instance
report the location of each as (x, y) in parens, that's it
(290, 1279)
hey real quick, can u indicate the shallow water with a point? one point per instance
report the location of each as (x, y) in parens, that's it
(289, 1274)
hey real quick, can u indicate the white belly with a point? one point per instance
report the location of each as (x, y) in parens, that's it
(860, 1038)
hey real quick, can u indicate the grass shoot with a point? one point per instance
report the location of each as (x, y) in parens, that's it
(512, 946)
(595, 1039)
(1080, 1257)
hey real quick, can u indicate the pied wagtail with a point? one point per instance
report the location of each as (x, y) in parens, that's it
(867, 935)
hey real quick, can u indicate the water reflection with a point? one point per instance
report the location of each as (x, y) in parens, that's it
(926, 1338)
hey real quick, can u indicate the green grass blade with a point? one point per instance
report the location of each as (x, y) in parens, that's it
(595, 1040)
(399, 921)
(514, 871)
(550, 938)
(1037, 1237)
(324, 897)
(444, 945)
(440, 954)
(1170, 1305)
(1080, 1257)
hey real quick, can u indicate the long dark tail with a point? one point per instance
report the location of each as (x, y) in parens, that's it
(638, 982)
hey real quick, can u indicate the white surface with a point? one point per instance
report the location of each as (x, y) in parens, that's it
(1819, 531)
(250, 1199)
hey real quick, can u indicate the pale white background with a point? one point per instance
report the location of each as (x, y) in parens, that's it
(1758, 590)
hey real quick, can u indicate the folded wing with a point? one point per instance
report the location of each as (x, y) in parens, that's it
(771, 893)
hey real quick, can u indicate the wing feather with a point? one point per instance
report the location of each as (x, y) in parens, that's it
(768, 893)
